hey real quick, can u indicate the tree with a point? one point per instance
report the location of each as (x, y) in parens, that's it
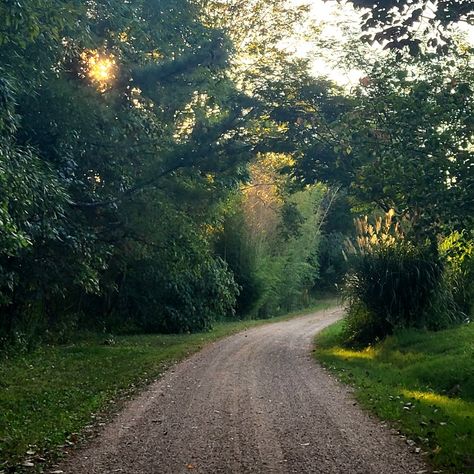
(404, 142)
(271, 239)
(131, 130)
(399, 23)
(84, 149)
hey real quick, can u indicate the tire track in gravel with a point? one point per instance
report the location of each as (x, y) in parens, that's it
(255, 402)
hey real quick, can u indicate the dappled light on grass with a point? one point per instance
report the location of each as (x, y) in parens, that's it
(452, 406)
(368, 353)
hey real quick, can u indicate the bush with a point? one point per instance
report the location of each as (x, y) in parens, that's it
(362, 327)
(395, 283)
(167, 297)
(457, 250)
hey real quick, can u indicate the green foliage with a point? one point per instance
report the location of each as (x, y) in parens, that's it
(457, 250)
(271, 244)
(172, 299)
(394, 283)
(399, 23)
(420, 381)
(112, 178)
(363, 327)
(300, 254)
(332, 264)
(411, 141)
(402, 140)
(240, 255)
(337, 227)
(126, 128)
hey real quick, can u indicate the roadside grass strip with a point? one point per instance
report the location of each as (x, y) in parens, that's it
(422, 382)
(55, 396)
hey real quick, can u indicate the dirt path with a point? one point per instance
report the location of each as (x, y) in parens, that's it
(255, 402)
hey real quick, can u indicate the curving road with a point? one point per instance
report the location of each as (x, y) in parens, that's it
(255, 402)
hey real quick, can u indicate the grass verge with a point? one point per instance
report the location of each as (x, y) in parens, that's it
(423, 382)
(50, 398)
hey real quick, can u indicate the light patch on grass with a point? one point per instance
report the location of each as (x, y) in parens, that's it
(368, 353)
(453, 406)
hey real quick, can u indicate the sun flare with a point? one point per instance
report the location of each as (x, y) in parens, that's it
(101, 69)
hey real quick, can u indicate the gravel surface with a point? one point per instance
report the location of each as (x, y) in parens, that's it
(255, 402)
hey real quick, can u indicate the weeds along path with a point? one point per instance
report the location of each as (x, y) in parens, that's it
(255, 402)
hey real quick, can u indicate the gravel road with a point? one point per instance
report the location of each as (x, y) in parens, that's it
(255, 402)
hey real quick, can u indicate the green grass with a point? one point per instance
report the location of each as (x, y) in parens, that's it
(49, 396)
(421, 381)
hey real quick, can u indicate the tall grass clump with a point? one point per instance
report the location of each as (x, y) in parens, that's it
(394, 283)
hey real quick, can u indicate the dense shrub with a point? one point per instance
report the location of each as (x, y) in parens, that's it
(362, 327)
(237, 250)
(458, 252)
(399, 286)
(395, 283)
(175, 296)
